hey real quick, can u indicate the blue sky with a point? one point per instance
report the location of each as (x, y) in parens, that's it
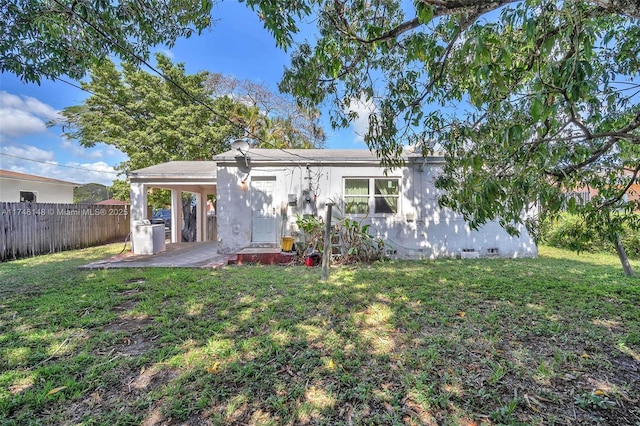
(236, 45)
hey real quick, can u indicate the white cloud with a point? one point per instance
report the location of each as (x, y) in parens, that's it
(14, 122)
(98, 172)
(23, 115)
(19, 153)
(362, 108)
(35, 161)
(79, 151)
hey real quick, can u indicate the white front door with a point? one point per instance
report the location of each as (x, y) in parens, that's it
(263, 216)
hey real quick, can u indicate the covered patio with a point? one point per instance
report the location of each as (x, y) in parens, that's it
(196, 177)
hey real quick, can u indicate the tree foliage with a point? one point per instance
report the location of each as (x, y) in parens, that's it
(154, 119)
(150, 118)
(120, 190)
(90, 193)
(274, 120)
(530, 101)
(47, 39)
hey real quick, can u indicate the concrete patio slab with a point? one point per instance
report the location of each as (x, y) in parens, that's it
(178, 255)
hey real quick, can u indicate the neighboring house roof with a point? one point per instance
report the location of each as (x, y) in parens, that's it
(112, 202)
(8, 174)
(342, 156)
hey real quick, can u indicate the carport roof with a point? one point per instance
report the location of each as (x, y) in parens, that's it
(189, 176)
(172, 170)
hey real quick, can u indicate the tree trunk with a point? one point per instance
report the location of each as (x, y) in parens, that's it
(622, 254)
(189, 214)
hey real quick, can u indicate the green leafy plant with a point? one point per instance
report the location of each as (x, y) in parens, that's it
(593, 401)
(357, 244)
(569, 231)
(504, 414)
(313, 230)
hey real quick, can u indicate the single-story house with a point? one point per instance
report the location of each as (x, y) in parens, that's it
(260, 193)
(19, 187)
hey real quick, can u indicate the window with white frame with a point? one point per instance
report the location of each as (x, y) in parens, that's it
(371, 195)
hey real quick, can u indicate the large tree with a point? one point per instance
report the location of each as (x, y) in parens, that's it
(154, 119)
(170, 115)
(531, 102)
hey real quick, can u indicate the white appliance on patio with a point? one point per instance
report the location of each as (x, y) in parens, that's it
(147, 238)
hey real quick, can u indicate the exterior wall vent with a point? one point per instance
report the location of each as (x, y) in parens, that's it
(469, 253)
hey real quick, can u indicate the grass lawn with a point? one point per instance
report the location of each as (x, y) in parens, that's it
(554, 340)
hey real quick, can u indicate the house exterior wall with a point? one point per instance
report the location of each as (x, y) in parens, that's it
(586, 193)
(420, 228)
(45, 192)
(634, 192)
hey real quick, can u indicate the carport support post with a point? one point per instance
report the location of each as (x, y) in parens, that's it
(201, 216)
(138, 197)
(199, 222)
(326, 253)
(176, 216)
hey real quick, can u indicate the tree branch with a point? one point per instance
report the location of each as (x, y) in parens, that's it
(595, 155)
(632, 180)
(629, 8)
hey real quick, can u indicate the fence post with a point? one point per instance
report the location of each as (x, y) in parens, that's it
(326, 253)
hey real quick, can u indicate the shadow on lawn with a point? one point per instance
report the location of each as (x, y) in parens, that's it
(394, 344)
(493, 341)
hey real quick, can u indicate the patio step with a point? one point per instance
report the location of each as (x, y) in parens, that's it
(263, 256)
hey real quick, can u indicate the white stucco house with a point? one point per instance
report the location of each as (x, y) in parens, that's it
(260, 192)
(21, 187)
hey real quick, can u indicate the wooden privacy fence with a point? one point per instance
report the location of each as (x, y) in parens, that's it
(30, 229)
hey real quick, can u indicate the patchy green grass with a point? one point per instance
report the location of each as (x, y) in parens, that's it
(535, 341)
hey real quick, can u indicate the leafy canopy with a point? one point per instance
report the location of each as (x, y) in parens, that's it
(527, 100)
(47, 39)
(150, 118)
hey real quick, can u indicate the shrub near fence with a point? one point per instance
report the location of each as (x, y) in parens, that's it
(30, 229)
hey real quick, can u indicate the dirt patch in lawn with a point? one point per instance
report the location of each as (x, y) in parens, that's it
(128, 394)
(129, 389)
(135, 338)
